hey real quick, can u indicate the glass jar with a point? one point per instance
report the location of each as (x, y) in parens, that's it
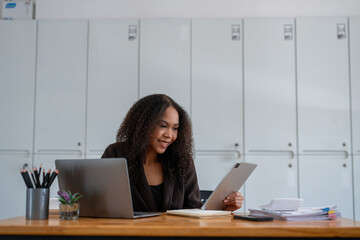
(69, 211)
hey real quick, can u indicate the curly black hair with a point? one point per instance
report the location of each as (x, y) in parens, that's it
(137, 127)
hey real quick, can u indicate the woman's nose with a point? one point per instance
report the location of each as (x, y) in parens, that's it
(168, 133)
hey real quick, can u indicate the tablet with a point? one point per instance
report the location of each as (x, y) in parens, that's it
(232, 182)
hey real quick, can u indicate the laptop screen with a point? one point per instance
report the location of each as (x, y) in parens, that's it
(104, 184)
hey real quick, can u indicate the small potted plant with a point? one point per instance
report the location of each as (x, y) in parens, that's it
(68, 208)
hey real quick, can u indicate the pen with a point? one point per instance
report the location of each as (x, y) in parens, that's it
(43, 175)
(40, 170)
(52, 178)
(37, 178)
(33, 178)
(22, 171)
(34, 181)
(28, 180)
(46, 179)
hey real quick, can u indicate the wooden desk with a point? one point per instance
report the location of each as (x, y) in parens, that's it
(173, 226)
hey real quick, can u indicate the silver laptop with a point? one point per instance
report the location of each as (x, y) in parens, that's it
(104, 184)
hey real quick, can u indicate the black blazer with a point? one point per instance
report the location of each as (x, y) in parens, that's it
(176, 195)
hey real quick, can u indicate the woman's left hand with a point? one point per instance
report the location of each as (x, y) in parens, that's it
(234, 201)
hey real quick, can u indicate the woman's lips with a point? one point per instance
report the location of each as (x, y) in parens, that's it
(164, 144)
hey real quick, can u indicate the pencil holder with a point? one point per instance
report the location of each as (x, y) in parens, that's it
(37, 203)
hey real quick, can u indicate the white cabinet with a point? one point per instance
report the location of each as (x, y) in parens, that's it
(17, 85)
(354, 29)
(327, 180)
(274, 177)
(61, 86)
(112, 80)
(269, 86)
(12, 184)
(165, 59)
(216, 97)
(325, 169)
(323, 86)
(217, 109)
(270, 109)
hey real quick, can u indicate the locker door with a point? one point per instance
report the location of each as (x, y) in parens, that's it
(269, 86)
(112, 80)
(355, 80)
(323, 85)
(17, 88)
(165, 59)
(326, 180)
(217, 111)
(17, 85)
(61, 86)
(354, 25)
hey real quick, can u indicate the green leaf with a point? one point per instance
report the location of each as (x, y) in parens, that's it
(62, 200)
(78, 198)
(73, 196)
(69, 193)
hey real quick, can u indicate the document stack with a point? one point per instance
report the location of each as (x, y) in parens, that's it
(289, 209)
(302, 214)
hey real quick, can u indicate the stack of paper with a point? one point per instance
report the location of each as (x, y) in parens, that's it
(199, 213)
(310, 213)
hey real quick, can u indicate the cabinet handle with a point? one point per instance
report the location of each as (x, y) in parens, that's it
(79, 144)
(273, 152)
(25, 165)
(58, 151)
(218, 152)
(326, 152)
(15, 152)
(344, 165)
(290, 165)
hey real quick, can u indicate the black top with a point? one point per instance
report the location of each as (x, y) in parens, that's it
(175, 194)
(157, 192)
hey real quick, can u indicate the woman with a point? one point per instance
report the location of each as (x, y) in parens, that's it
(156, 139)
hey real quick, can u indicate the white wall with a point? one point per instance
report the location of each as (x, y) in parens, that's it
(194, 8)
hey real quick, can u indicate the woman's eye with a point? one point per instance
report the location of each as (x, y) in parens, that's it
(163, 126)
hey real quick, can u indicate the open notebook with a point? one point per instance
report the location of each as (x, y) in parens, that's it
(199, 213)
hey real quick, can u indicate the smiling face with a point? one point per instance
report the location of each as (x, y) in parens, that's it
(165, 132)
